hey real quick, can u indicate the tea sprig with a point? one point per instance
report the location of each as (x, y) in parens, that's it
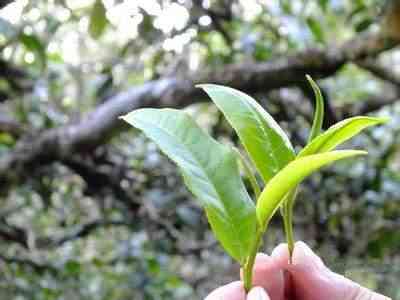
(211, 170)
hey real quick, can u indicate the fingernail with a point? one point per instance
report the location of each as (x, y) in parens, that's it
(281, 249)
(281, 255)
(304, 256)
(257, 293)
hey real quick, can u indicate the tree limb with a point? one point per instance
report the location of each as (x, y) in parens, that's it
(10, 126)
(4, 3)
(102, 123)
(380, 71)
(36, 266)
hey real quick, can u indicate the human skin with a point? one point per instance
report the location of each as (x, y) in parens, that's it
(306, 278)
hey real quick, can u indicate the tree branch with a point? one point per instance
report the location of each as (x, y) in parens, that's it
(102, 123)
(380, 71)
(36, 266)
(10, 126)
(4, 3)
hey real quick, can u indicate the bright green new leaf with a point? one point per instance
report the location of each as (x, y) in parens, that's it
(319, 110)
(339, 133)
(267, 144)
(98, 20)
(210, 170)
(290, 176)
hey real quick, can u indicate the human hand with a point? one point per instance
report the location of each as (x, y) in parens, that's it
(306, 278)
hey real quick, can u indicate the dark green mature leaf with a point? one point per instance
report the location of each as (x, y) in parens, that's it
(323, 4)
(210, 170)
(290, 176)
(98, 20)
(364, 24)
(316, 29)
(339, 133)
(319, 110)
(34, 44)
(267, 144)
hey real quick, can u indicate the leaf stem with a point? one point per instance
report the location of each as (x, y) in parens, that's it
(288, 225)
(288, 220)
(249, 173)
(248, 267)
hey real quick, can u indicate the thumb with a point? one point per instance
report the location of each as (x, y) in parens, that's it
(313, 280)
(257, 293)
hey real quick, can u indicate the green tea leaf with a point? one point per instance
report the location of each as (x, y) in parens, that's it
(210, 171)
(319, 110)
(290, 176)
(98, 20)
(267, 144)
(339, 133)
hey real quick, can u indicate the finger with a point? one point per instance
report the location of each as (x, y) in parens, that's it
(268, 274)
(281, 255)
(232, 291)
(305, 259)
(258, 293)
(311, 279)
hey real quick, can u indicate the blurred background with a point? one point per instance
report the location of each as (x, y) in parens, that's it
(90, 209)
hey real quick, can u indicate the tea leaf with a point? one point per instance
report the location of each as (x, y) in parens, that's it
(319, 110)
(267, 144)
(290, 176)
(210, 171)
(339, 133)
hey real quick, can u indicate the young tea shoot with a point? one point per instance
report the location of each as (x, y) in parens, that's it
(211, 170)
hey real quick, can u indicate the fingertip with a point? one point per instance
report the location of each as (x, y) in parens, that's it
(281, 254)
(268, 275)
(262, 258)
(231, 291)
(303, 256)
(262, 266)
(257, 293)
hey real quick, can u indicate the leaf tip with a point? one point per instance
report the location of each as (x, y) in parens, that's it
(383, 120)
(124, 117)
(204, 86)
(357, 152)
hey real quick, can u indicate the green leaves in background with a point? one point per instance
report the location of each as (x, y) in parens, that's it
(98, 20)
(33, 43)
(315, 27)
(290, 176)
(210, 171)
(339, 133)
(267, 144)
(319, 110)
